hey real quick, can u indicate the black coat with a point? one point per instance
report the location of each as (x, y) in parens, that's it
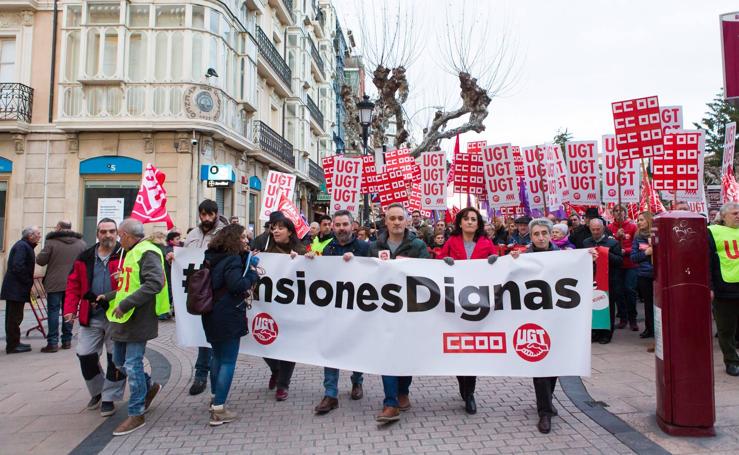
(228, 318)
(18, 279)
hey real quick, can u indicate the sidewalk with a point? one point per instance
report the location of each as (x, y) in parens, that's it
(42, 400)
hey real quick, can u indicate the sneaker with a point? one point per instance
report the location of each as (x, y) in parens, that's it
(107, 408)
(388, 414)
(67, 345)
(50, 348)
(357, 392)
(281, 395)
(197, 387)
(326, 405)
(131, 424)
(220, 415)
(153, 390)
(272, 382)
(404, 403)
(94, 402)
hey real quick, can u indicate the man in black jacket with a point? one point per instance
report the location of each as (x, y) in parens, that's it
(615, 260)
(17, 284)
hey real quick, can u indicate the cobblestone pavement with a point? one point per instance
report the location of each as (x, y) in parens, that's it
(42, 397)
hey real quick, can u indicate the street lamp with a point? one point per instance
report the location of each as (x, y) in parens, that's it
(365, 107)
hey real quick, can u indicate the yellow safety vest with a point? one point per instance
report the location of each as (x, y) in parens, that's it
(727, 247)
(317, 246)
(129, 282)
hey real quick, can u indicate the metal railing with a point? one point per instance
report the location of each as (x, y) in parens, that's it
(315, 171)
(16, 101)
(289, 6)
(314, 111)
(273, 57)
(271, 142)
(317, 57)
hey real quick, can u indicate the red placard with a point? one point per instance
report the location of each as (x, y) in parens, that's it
(476, 146)
(638, 128)
(328, 171)
(679, 167)
(469, 177)
(518, 161)
(398, 159)
(392, 188)
(369, 175)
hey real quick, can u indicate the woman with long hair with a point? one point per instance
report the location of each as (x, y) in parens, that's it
(283, 239)
(468, 241)
(226, 323)
(641, 254)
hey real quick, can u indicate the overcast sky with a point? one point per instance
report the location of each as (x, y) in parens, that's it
(573, 58)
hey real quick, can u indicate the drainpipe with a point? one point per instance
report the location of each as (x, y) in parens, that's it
(50, 119)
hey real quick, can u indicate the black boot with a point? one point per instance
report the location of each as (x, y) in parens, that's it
(469, 404)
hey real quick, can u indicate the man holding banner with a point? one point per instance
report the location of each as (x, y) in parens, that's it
(396, 242)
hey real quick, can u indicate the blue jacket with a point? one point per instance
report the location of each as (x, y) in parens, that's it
(18, 279)
(356, 247)
(645, 268)
(228, 318)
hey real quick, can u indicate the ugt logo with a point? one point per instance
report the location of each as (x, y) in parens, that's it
(731, 253)
(531, 342)
(264, 329)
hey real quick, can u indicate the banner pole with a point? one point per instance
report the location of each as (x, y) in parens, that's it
(618, 176)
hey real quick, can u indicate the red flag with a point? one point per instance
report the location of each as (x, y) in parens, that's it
(649, 198)
(450, 175)
(292, 213)
(729, 187)
(151, 202)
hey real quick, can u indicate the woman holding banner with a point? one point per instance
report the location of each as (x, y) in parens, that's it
(282, 239)
(468, 241)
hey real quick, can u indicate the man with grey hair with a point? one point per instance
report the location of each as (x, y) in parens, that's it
(16, 289)
(599, 238)
(132, 311)
(62, 247)
(724, 282)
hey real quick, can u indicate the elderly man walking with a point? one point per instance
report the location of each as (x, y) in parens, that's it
(141, 296)
(62, 247)
(17, 284)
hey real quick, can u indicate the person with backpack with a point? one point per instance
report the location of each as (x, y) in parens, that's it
(226, 322)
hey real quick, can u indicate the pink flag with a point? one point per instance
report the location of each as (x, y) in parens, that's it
(292, 213)
(151, 202)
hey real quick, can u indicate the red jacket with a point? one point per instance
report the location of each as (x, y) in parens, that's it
(627, 240)
(80, 280)
(454, 248)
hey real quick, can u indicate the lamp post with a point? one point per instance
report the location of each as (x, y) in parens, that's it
(365, 107)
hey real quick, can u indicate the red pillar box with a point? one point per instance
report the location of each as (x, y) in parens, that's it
(682, 325)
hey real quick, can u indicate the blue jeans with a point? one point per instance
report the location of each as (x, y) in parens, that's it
(331, 381)
(222, 367)
(627, 295)
(202, 364)
(394, 386)
(54, 302)
(129, 358)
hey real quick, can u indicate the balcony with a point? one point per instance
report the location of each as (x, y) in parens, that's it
(16, 101)
(268, 52)
(315, 114)
(273, 144)
(315, 172)
(317, 60)
(284, 9)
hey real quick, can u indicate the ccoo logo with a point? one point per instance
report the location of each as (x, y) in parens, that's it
(531, 342)
(264, 329)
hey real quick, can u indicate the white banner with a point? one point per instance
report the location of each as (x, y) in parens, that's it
(433, 180)
(346, 185)
(619, 177)
(582, 163)
(500, 175)
(277, 183)
(527, 317)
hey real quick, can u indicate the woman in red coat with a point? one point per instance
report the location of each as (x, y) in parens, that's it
(468, 241)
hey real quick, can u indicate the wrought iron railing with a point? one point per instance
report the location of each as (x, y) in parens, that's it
(16, 101)
(271, 142)
(315, 171)
(314, 111)
(273, 57)
(317, 57)
(289, 6)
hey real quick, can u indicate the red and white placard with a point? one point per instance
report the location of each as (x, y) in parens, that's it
(468, 174)
(518, 161)
(620, 178)
(292, 213)
(672, 118)
(729, 145)
(476, 146)
(638, 127)
(398, 159)
(679, 167)
(534, 164)
(369, 175)
(328, 171)
(392, 188)
(584, 178)
(433, 184)
(277, 183)
(500, 175)
(347, 182)
(556, 174)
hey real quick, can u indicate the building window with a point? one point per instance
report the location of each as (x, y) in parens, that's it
(138, 16)
(7, 60)
(105, 189)
(102, 52)
(170, 16)
(198, 17)
(137, 57)
(103, 13)
(74, 16)
(3, 198)
(253, 221)
(72, 66)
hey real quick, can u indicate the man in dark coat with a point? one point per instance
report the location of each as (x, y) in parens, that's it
(58, 254)
(17, 284)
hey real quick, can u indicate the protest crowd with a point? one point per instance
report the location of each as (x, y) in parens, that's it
(119, 290)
